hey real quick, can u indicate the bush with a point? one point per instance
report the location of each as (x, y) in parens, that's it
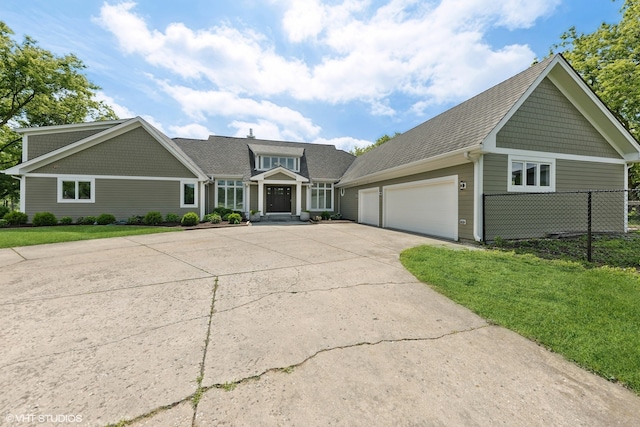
(134, 220)
(215, 218)
(3, 223)
(152, 218)
(106, 219)
(325, 215)
(16, 218)
(190, 219)
(3, 211)
(41, 219)
(87, 220)
(171, 217)
(66, 220)
(222, 211)
(234, 218)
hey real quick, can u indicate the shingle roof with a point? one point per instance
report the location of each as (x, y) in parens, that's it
(463, 126)
(222, 155)
(271, 150)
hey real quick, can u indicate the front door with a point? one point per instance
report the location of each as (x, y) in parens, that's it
(279, 199)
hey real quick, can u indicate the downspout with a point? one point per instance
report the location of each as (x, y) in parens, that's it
(626, 199)
(23, 190)
(477, 192)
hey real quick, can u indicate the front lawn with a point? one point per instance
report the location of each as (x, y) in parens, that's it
(589, 315)
(13, 237)
(613, 250)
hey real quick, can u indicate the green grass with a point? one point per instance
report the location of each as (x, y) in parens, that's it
(613, 250)
(589, 315)
(27, 236)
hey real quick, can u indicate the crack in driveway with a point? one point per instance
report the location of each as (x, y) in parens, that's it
(194, 398)
(307, 291)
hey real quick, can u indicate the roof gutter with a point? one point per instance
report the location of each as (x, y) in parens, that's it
(408, 168)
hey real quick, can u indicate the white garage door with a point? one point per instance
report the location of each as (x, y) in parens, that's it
(369, 206)
(427, 207)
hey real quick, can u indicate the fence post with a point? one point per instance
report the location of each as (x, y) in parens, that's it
(589, 227)
(484, 211)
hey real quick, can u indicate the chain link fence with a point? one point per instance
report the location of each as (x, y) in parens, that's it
(581, 215)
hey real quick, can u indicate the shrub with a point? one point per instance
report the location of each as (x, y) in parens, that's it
(106, 219)
(336, 216)
(41, 219)
(190, 218)
(234, 218)
(16, 218)
(3, 223)
(325, 215)
(134, 220)
(171, 217)
(88, 220)
(4, 210)
(222, 211)
(215, 218)
(66, 220)
(152, 218)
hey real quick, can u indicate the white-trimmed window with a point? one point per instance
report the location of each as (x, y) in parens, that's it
(531, 174)
(322, 196)
(76, 190)
(188, 194)
(231, 194)
(268, 162)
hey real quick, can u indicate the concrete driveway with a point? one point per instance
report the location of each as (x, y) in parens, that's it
(267, 325)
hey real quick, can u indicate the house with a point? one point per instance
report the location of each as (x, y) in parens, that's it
(541, 131)
(127, 168)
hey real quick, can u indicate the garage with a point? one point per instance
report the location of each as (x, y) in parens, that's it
(426, 207)
(369, 206)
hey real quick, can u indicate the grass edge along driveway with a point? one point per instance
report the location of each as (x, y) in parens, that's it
(27, 236)
(589, 315)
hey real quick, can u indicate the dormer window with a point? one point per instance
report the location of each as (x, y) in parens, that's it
(271, 156)
(269, 162)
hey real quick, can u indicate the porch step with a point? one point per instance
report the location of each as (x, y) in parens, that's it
(280, 218)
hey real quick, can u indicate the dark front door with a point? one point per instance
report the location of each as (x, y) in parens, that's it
(279, 199)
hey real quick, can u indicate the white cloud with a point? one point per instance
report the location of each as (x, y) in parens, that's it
(345, 143)
(202, 104)
(405, 46)
(120, 110)
(192, 130)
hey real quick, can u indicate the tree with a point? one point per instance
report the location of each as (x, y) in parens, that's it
(609, 61)
(359, 151)
(38, 88)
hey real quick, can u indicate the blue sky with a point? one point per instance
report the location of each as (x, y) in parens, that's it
(341, 72)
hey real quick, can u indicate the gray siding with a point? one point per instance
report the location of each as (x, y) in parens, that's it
(547, 121)
(122, 198)
(37, 145)
(571, 175)
(496, 173)
(253, 201)
(349, 202)
(523, 215)
(135, 153)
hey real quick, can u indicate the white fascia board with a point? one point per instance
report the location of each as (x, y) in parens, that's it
(598, 103)
(558, 156)
(105, 124)
(265, 175)
(103, 136)
(452, 158)
(70, 149)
